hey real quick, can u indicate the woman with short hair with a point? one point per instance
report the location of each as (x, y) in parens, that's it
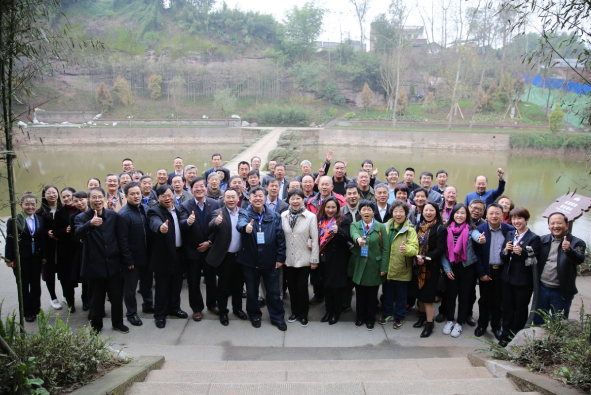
(93, 183)
(507, 205)
(301, 241)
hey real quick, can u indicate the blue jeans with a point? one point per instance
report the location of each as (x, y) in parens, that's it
(395, 291)
(551, 300)
(252, 278)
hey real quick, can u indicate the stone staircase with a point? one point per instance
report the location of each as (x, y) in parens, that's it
(343, 377)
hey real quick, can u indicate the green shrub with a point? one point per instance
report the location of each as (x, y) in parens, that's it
(54, 359)
(282, 116)
(550, 141)
(555, 118)
(348, 116)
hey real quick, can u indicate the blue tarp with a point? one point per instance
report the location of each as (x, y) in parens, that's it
(559, 84)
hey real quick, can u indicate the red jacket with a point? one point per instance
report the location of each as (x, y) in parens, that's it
(313, 205)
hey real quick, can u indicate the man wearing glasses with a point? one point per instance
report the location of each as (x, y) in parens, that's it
(101, 260)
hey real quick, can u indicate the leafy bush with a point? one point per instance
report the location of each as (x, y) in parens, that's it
(550, 141)
(348, 116)
(283, 116)
(54, 359)
(555, 118)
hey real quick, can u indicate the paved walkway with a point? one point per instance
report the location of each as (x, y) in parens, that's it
(261, 148)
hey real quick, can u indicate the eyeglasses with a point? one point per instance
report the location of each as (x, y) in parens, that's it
(481, 210)
(97, 197)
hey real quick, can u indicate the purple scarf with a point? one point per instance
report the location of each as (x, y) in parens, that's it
(457, 253)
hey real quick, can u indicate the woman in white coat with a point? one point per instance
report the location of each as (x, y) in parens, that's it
(301, 239)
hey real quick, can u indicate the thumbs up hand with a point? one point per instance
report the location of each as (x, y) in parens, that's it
(565, 245)
(191, 218)
(164, 227)
(96, 220)
(219, 218)
(482, 238)
(249, 227)
(402, 247)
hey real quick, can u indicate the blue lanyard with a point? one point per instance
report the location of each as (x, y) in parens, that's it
(366, 231)
(260, 219)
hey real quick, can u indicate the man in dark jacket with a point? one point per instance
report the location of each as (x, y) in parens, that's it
(488, 270)
(195, 214)
(222, 256)
(262, 254)
(133, 232)
(383, 212)
(560, 254)
(80, 199)
(101, 260)
(166, 259)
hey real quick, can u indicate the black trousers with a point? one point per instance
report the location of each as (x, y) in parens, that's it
(145, 277)
(459, 289)
(297, 284)
(49, 273)
(316, 281)
(31, 283)
(515, 307)
(101, 287)
(229, 282)
(194, 268)
(491, 298)
(367, 308)
(68, 288)
(167, 289)
(333, 300)
(85, 292)
(472, 296)
(348, 293)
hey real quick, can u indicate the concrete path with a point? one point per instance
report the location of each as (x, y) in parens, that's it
(261, 148)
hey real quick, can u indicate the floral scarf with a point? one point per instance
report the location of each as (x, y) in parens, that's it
(325, 234)
(425, 229)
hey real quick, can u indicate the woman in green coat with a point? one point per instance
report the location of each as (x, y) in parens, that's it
(404, 246)
(369, 262)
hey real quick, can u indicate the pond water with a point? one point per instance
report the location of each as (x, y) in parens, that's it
(531, 177)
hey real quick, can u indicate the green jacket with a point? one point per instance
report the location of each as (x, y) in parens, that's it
(400, 267)
(366, 270)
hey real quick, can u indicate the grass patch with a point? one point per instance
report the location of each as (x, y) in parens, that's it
(422, 128)
(551, 141)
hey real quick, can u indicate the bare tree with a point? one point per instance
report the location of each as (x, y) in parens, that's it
(361, 8)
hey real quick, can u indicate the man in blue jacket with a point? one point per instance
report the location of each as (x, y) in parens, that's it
(261, 255)
(481, 183)
(489, 268)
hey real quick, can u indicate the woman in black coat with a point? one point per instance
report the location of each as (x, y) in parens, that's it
(50, 204)
(517, 278)
(80, 201)
(432, 245)
(31, 244)
(66, 246)
(334, 240)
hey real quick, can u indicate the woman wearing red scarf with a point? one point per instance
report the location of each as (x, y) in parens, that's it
(458, 264)
(333, 233)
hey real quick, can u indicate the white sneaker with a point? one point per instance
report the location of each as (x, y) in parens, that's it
(448, 327)
(457, 331)
(56, 304)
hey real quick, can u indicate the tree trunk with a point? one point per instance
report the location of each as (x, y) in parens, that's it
(453, 95)
(397, 82)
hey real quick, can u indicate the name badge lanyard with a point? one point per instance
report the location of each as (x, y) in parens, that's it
(31, 227)
(366, 231)
(260, 217)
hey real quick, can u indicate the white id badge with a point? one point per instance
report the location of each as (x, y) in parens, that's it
(364, 251)
(260, 237)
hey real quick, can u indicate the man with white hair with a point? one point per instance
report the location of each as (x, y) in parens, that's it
(306, 167)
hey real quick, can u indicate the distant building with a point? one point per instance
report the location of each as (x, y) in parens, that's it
(569, 69)
(333, 45)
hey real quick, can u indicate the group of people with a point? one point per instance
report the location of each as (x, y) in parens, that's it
(274, 236)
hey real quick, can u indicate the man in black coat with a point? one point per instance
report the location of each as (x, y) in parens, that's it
(134, 236)
(101, 260)
(222, 256)
(166, 259)
(194, 219)
(383, 212)
(560, 254)
(80, 199)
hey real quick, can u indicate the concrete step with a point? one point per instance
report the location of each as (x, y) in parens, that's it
(404, 387)
(279, 376)
(323, 365)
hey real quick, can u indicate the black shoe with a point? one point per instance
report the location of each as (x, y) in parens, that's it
(369, 326)
(224, 319)
(72, 308)
(428, 329)
(440, 318)
(316, 300)
(503, 343)
(345, 309)
(178, 314)
(292, 318)
(161, 323)
(421, 321)
(282, 326)
(240, 314)
(148, 309)
(85, 307)
(333, 319)
(96, 329)
(121, 328)
(479, 331)
(135, 320)
(30, 318)
(256, 322)
(359, 323)
(326, 318)
(304, 322)
(471, 321)
(498, 334)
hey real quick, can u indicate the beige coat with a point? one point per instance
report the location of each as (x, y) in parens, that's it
(296, 240)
